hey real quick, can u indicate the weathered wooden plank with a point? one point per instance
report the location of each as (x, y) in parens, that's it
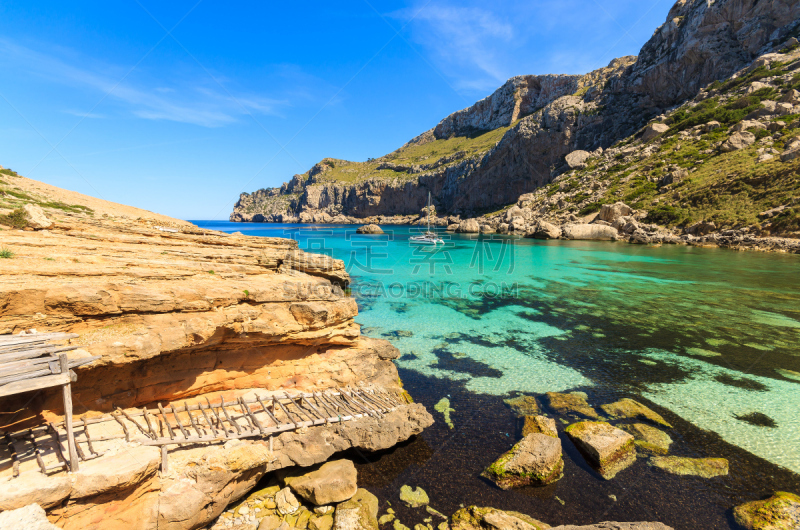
(39, 383)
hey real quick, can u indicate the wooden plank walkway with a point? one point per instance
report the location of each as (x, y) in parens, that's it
(28, 363)
(260, 416)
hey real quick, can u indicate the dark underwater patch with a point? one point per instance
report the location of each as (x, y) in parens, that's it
(758, 419)
(742, 382)
(460, 363)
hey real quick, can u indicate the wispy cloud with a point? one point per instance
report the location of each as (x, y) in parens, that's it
(187, 102)
(465, 38)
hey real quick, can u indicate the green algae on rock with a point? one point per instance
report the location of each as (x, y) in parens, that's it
(523, 405)
(535, 460)
(608, 449)
(779, 512)
(443, 406)
(539, 424)
(571, 404)
(628, 408)
(477, 518)
(414, 497)
(699, 467)
(649, 439)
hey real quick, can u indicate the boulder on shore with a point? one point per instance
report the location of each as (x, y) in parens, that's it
(737, 141)
(545, 230)
(608, 449)
(369, 229)
(612, 525)
(779, 512)
(612, 212)
(592, 232)
(629, 408)
(469, 226)
(571, 404)
(334, 481)
(477, 518)
(698, 467)
(535, 460)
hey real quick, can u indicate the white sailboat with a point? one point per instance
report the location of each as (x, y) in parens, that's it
(428, 238)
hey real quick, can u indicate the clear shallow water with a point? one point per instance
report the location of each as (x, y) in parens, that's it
(709, 335)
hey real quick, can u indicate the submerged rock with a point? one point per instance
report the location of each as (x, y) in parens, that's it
(628, 408)
(539, 424)
(334, 481)
(779, 512)
(360, 512)
(613, 525)
(649, 439)
(523, 405)
(608, 449)
(699, 467)
(476, 518)
(535, 460)
(414, 497)
(571, 403)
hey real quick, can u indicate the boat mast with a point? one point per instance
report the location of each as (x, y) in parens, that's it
(429, 211)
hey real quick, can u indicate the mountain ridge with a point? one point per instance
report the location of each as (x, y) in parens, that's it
(516, 140)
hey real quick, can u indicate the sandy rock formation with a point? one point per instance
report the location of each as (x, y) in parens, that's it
(608, 449)
(653, 130)
(182, 314)
(477, 518)
(31, 517)
(369, 229)
(571, 404)
(629, 408)
(535, 460)
(594, 232)
(649, 440)
(334, 481)
(36, 217)
(539, 424)
(358, 513)
(699, 467)
(612, 212)
(779, 512)
(469, 226)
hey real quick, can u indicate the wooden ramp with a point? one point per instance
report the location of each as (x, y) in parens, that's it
(261, 416)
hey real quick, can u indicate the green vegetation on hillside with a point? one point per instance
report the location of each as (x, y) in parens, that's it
(413, 154)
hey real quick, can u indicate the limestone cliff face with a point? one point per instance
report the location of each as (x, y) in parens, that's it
(182, 314)
(550, 116)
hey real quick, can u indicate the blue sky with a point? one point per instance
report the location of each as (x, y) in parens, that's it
(177, 107)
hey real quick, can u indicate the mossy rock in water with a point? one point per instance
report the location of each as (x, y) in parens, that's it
(698, 467)
(571, 404)
(477, 518)
(649, 439)
(523, 405)
(358, 513)
(539, 424)
(536, 460)
(608, 449)
(779, 512)
(414, 497)
(629, 408)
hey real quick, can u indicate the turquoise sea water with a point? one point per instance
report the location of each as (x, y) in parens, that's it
(711, 335)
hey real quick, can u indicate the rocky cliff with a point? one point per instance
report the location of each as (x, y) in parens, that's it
(175, 313)
(516, 140)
